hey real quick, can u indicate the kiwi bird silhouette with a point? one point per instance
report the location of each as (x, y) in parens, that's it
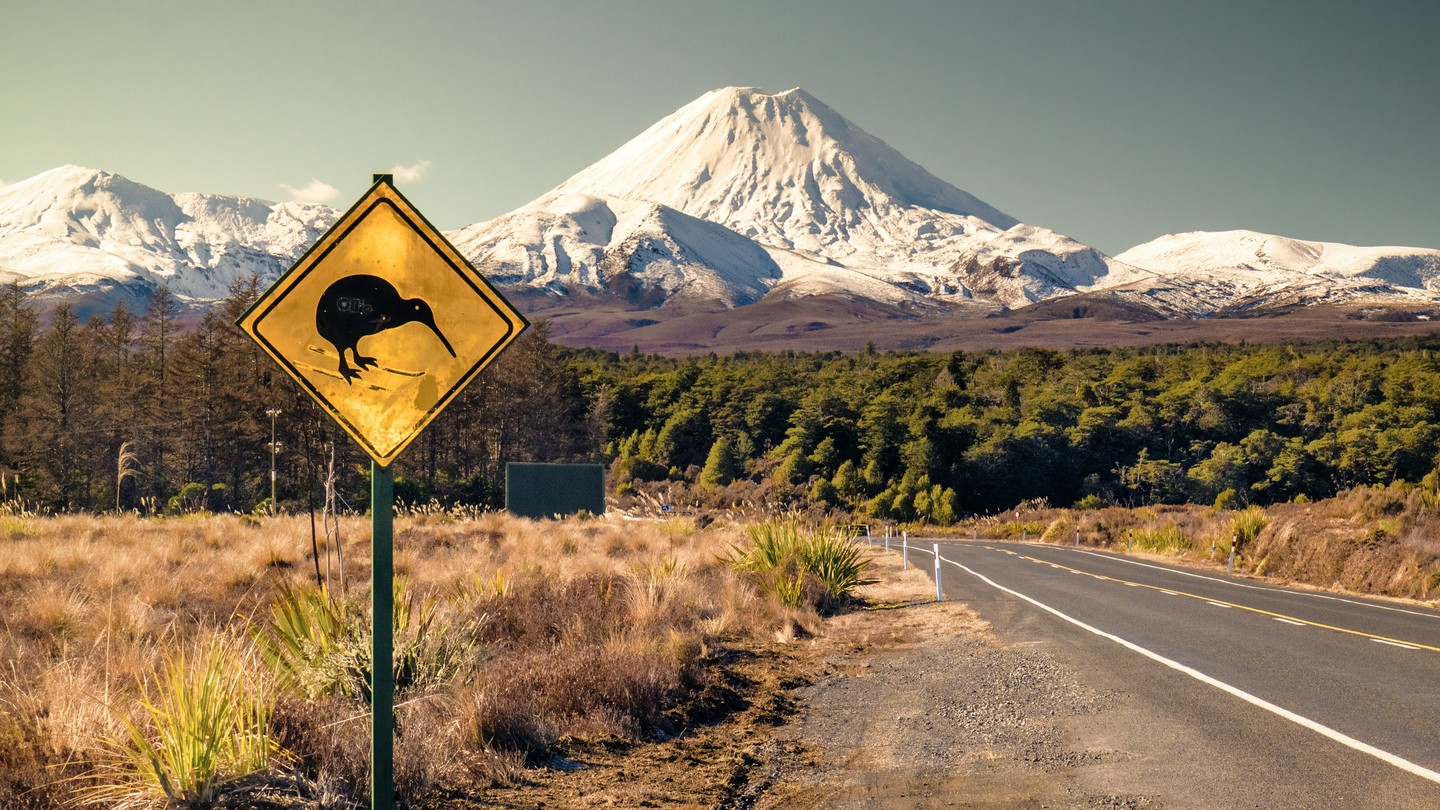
(356, 306)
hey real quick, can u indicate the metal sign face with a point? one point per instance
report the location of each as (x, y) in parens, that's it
(383, 322)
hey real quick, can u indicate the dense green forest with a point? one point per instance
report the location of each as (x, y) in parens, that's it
(145, 412)
(150, 413)
(913, 436)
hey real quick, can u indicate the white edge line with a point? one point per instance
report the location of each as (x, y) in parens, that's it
(1305, 722)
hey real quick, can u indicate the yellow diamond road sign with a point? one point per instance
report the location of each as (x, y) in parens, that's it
(383, 322)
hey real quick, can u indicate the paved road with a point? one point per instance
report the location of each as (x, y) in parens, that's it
(1271, 697)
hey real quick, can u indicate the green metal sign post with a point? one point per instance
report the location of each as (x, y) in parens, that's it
(383, 275)
(382, 637)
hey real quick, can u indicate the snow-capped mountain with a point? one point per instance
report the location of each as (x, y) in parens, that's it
(74, 231)
(1229, 271)
(738, 196)
(836, 209)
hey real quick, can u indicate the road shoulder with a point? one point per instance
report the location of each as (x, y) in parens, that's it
(918, 705)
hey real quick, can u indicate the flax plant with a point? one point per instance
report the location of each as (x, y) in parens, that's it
(204, 727)
(787, 555)
(1165, 539)
(307, 633)
(833, 556)
(319, 646)
(1246, 526)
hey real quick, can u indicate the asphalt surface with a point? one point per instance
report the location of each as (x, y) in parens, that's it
(1236, 693)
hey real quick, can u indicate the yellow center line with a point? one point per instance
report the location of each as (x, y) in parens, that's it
(1222, 603)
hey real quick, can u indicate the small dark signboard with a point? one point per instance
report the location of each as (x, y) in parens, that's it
(545, 490)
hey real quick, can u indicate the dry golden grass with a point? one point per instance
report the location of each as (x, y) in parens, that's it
(1371, 540)
(582, 628)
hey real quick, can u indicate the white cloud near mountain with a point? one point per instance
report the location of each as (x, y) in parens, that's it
(316, 192)
(413, 173)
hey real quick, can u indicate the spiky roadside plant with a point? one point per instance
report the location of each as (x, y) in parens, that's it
(1165, 539)
(784, 553)
(319, 645)
(203, 726)
(773, 557)
(832, 555)
(306, 640)
(1246, 526)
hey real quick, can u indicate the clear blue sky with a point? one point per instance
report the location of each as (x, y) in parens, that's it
(1112, 122)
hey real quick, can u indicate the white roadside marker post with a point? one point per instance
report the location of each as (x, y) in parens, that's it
(939, 592)
(905, 550)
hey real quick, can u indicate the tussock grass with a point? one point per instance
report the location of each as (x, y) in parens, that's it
(124, 637)
(1165, 539)
(1382, 540)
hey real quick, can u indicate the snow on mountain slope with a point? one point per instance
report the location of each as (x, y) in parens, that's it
(796, 177)
(79, 229)
(782, 166)
(638, 249)
(1208, 272)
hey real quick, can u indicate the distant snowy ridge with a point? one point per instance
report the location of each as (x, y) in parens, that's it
(1214, 272)
(74, 229)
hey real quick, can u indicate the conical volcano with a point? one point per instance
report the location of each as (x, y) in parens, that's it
(834, 207)
(784, 167)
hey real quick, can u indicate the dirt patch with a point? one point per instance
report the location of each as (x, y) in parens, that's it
(709, 764)
(907, 703)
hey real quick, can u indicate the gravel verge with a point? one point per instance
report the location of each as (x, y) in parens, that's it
(917, 705)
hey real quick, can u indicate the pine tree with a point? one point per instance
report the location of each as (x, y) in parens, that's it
(18, 328)
(848, 484)
(158, 330)
(57, 407)
(722, 465)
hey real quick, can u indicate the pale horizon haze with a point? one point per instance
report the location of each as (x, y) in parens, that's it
(1112, 122)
